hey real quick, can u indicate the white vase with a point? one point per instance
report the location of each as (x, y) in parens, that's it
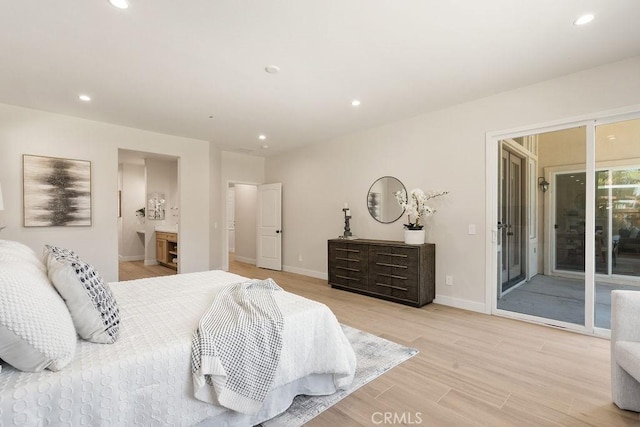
(414, 237)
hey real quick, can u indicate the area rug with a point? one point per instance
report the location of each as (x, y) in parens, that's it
(375, 356)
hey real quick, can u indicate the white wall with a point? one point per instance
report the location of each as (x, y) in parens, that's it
(26, 131)
(246, 214)
(443, 150)
(217, 203)
(133, 198)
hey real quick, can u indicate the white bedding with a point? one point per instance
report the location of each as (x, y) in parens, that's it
(145, 377)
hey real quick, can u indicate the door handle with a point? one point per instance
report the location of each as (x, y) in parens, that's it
(278, 231)
(509, 233)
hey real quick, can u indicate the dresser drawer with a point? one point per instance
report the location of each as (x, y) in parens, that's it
(348, 265)
(394, 271)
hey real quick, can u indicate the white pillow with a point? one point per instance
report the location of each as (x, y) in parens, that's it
(36, 330)
(15, 251)
(92, 306)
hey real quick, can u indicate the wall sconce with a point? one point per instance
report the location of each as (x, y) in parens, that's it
(543, 184)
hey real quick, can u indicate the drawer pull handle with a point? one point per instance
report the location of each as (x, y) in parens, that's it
(392, 287)
(384, 264)
(347, 278)
(393, 276)
(397, 255)
(347, 259)
(348, 250)
(347, 268)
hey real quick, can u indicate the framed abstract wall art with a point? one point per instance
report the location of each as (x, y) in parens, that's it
(57, 192)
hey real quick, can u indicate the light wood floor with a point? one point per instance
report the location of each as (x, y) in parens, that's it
(130, 270)
(472, 369)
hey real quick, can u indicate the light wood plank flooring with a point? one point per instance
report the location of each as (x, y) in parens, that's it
(129, 270)
(472, 369)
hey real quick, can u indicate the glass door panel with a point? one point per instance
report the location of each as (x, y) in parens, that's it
(617, 213)
(570, 216)
(542, 274)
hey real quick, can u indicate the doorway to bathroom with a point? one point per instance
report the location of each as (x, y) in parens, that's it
(148, 208)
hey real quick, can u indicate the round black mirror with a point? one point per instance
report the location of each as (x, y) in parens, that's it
(381, 199)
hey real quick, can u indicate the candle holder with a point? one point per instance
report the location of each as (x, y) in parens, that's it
(347, 230)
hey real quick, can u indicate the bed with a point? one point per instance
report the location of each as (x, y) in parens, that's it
(144, 378)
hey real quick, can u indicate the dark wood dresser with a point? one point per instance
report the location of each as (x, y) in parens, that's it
(384, 269)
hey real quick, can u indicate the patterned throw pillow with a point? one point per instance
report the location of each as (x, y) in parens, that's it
(92, 306)
(36, 330)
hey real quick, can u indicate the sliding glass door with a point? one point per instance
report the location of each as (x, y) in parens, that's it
(574, 194)
(617, 213)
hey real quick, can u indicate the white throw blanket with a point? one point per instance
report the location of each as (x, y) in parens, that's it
(236, 348)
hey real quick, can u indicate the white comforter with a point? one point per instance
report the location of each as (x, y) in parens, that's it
(145, 377)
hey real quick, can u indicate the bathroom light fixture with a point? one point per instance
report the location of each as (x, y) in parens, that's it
(85, 98)
(120, 4)
(543, 184)
(584, 19)
(355, 103)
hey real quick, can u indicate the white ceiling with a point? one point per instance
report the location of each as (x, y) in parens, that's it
(167, 65)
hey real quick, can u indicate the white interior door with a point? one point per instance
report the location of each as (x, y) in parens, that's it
(269, 241)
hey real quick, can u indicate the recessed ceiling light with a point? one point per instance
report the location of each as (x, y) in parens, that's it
(355, 102)
(85, 98)
(265, 146)
(120, 4)
(272, 69)
(584, 19)
(262, 137)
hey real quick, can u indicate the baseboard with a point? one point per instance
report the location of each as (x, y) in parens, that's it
(304, 272)
(251, 261)
(460, 303)
(132, 258)
(150, 262)
(444, 300)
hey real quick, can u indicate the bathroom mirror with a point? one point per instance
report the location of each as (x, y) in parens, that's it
(381, 199)
(155, 206)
